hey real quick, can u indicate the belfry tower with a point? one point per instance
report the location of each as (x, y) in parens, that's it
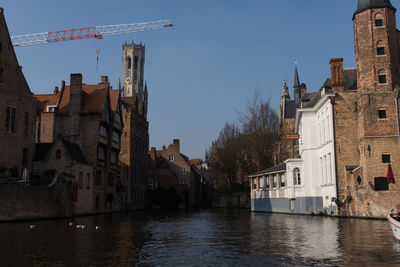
(133, 57)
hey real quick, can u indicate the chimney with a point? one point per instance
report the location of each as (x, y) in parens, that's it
(76, 99)
(153, 153)
(56, 90)
(337, 76)
(104, 79)
(303, 88)
(177, 145)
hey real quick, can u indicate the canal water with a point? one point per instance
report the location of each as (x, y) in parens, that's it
(202, 238)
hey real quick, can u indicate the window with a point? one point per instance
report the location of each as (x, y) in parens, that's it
(88, 181)
(254, 183)
(325, 170)
(110, 179)
(282, 180)
(114, 157)
(136, 62)
(322, 171)
(381, 184)
(378, 20)
(329, 165)
(98, 178)
(26, 124)
(25, 158)
(296, 176)
(58, 154)
(385, 158)
(274, 182)
(267, 181)
(382, 113)
(359, 180)
(117, 117)
(103, 130)
(10, 120)
(382, 77)
(80, 180)
(129, 63)
(115, 137)
(171, 157)
(328, 132)
(101, 153)
(380, 51)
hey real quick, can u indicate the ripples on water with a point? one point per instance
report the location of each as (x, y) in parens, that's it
(205, 238)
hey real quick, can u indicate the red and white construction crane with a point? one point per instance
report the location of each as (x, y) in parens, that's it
(97, 32)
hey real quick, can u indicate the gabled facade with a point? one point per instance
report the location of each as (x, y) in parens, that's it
(89, 116)
(17, 113)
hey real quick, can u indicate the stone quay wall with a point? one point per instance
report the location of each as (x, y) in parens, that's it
(23, 202)
(232, 200)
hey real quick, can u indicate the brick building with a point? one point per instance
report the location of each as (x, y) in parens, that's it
(366, 116)
(88, 116)
(135, 136)
(17, 113)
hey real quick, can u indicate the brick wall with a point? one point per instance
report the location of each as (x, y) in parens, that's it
(18, 202)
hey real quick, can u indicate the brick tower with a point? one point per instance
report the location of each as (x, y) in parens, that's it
(378, 80)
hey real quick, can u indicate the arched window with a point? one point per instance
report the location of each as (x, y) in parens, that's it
(129, 63)
(380, 48)
(378, 20)
(382, 77)
(136, 62)
(296, 176)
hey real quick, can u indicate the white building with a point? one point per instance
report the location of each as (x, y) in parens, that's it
(306, 184)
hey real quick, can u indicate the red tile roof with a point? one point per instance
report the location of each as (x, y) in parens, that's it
(114, 95)
(93, 98)
(44, 100)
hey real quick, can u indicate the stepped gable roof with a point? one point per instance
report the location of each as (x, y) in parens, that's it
(93, 98)
(278, 168)
(364, 5)
(290, 109)
(46, 99)
(350, 80)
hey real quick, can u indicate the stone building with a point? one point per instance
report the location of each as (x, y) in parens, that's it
(88, 116)
(367, 118)
(17, 113)
(135, 136)
(287, 113)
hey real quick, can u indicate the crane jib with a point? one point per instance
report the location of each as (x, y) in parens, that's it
(74, 34)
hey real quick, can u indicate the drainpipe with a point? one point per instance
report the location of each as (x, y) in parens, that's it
(397, 113)
(336, 158)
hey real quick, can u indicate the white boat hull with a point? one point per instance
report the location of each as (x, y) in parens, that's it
(395, 226)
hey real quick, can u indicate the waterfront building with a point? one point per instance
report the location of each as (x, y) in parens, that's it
(87, 117)
(135, 136)
(17, 114)
(349, 130)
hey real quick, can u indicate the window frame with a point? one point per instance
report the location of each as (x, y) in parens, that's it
(296, 177)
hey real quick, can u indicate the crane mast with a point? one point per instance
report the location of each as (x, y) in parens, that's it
(97, 32)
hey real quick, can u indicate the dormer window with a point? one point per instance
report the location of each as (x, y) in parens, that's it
(51, 108)
(378, 20)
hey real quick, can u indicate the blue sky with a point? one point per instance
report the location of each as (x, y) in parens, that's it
(204, 70)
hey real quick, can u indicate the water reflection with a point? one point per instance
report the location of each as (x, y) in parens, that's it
(207, 238)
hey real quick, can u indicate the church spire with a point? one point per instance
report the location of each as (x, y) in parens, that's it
(296, 86)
